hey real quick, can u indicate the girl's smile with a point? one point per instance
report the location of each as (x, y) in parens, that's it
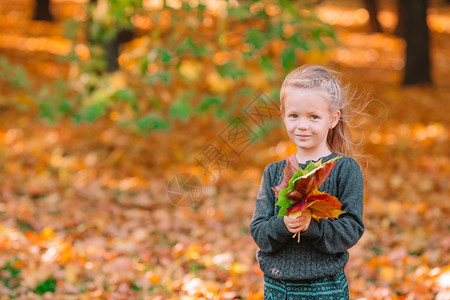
(302, 136)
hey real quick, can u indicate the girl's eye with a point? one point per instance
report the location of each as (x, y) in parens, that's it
(314, 117)
(294, 116)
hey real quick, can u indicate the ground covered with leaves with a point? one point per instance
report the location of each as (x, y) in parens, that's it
(85, 211)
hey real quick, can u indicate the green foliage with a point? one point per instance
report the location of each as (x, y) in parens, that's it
(53, 102)
(180, 109)
(9, 274)
(136, 287)
(257, 38)
(208, 102)
(283, 201)
(48, 285)
(288, 59)
(110, 17)
(152, 122)
(192, 60)
(13, 75)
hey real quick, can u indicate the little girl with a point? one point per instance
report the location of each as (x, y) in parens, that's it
(313, 107)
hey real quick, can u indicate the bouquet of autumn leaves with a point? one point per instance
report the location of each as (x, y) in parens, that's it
(299, 190)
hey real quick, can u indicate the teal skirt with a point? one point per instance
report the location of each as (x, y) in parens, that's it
(328, 288)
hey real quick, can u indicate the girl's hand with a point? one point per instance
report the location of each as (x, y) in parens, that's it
(299, 224)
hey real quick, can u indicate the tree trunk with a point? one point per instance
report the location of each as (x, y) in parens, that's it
(42, 11)
(417, 68)
(402, 11)
(372, 7)
(112, 49)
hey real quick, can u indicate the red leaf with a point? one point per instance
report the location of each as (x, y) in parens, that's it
(299, 206)
(289, 171)
(323, 205)
(320, 176)
(303, 187)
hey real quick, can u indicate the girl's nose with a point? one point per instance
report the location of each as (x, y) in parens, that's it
(302, 125)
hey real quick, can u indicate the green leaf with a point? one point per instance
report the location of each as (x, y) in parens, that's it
(166, 57)
(283, 202)
(298, 41)
(128, 96)
(240, 12)
(152, 122)
(232, 70)
(282, 212)
(209, 101)
(221, 113)
(143, 66)
(275, 29)
(161, 76)
(180, 109)
(266, 62)
(288, 58)
(136, 287)
(186, 7)
(48, 285)
(257, 38)
(65, 107)
(247, 92)
(46, 112)
(71, 27)
(311, 166)
(188, 45)
(125, 94)
(10, 281)
(91, 112)
(13, 74)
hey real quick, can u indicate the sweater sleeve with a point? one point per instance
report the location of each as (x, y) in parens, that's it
(336, 236)
(268, 230)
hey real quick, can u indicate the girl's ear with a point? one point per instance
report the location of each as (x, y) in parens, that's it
(283, 117)
(335, 118)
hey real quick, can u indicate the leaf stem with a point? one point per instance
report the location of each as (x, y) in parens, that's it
(298, 236)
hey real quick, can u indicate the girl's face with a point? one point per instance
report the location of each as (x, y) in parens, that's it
(308, 118)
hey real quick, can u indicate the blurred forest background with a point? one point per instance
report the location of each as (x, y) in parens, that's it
(134, 133)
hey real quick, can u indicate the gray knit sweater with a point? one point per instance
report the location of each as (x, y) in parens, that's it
(322, 250)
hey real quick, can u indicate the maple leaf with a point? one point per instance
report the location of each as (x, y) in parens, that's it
(296, 187)
(289, 171)
(321, 204)
(300, 192)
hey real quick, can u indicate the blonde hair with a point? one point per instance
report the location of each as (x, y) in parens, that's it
(321, 79)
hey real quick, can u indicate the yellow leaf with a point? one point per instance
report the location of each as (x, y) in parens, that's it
(190, 69)
(387, 273)
(237, 268)
(257, 80)
(46, 234)
(193, 252)
(323, 205)
(154, 279)
(219, 84)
